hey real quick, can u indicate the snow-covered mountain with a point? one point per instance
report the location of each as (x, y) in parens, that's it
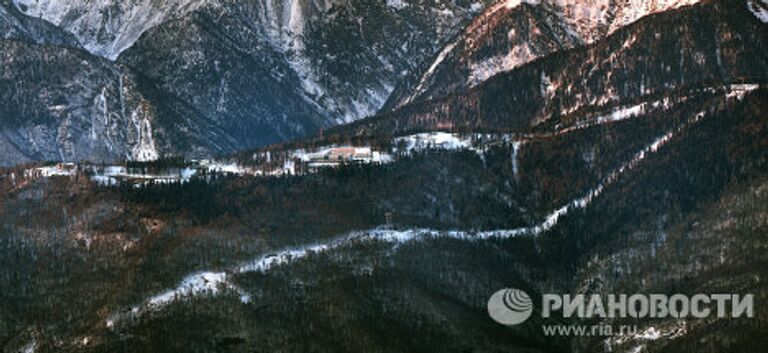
(226, 75)
(237, 74)
(340, 57)
(107, 27)
(594, 19)
(633, 162)
(511, 33)
(713, 43)
(255, 72)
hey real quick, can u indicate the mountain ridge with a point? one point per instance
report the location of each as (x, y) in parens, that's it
(599, 74)
(512, 33)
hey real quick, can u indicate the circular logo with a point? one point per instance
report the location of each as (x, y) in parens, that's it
(510, 306)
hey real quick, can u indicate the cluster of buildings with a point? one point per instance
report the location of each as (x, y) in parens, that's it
(335, 156)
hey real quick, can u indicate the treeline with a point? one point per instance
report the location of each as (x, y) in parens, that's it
(197, 198)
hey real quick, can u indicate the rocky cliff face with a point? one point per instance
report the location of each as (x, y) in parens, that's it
(82, 108)
(64, 104)
(107, 27)
(332, 62)
(514, 32)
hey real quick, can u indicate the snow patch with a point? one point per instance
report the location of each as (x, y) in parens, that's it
(516, 146)
(196, 284)
(421, 87)
(30, 347)
(266, 263)
(548, 89)
(739, 91)
(145, 150)
(483, 70)
(619, 114)
(431, 140)
(112, 175)
(510, 4)
(397, 4)
(759, 9)
(652, 333)
(223, 167)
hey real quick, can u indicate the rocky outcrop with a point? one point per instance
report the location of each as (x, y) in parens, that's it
(64, 104)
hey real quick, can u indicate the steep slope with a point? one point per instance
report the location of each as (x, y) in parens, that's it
(65, 104)
(505, 36)
(713, 43)
(266, 70)
(594, 19)
(511, 33)
(106, 27)
(245, 86)
(292, 67)
(18, 26)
